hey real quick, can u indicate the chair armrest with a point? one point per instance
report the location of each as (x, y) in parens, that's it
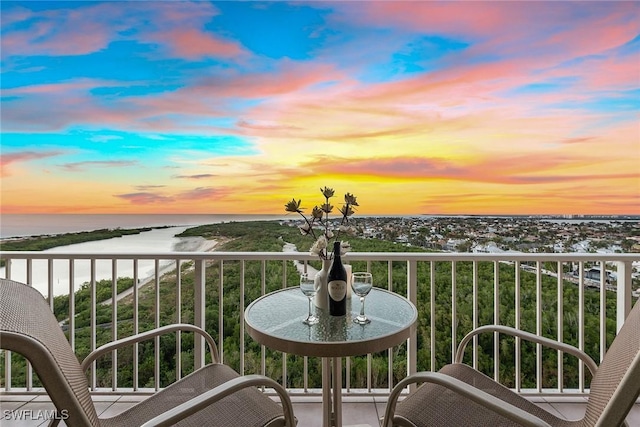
(143, 336)
(584, 357)
(479, 396)
(197, 403)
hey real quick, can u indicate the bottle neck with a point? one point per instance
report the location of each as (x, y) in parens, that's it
(336, 250)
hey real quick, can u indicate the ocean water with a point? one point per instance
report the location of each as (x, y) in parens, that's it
(158, 240)
(21, 225)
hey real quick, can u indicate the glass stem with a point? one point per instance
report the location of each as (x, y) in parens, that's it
(362, 306)
(309, 317)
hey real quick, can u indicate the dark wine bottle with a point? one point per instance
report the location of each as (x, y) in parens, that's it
(337, 284)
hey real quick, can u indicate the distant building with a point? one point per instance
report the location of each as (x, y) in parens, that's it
(594, 274)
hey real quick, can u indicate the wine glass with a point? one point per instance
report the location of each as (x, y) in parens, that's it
(361, 283)
(308, 287)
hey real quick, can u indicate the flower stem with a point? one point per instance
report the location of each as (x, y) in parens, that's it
(309, 224)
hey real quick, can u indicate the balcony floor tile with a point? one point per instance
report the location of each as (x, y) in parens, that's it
(362, 411)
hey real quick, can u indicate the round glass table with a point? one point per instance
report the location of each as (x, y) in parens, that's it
(275, 320)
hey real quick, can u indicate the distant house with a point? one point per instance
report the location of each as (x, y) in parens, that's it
(490, 247)
(452, 244)
(594, 274)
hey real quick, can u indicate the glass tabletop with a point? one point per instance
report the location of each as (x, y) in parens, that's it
(275, 320)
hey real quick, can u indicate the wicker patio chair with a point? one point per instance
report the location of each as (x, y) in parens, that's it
(458, 395)
(214, 395)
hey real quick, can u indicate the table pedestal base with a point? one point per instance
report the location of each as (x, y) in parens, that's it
(331, 392)
(275, 320)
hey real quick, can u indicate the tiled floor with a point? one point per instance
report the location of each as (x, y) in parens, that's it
(356, 411)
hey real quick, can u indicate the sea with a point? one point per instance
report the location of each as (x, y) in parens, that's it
(22, 225)
(161, 239)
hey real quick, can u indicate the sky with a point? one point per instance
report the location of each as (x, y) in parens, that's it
(420, 107)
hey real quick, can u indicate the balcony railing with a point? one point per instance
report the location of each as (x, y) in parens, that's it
(562, 296)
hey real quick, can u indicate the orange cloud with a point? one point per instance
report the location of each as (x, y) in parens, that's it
(162, 195)
(205, 193)
(145, 198)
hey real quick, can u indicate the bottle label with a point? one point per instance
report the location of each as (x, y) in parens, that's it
(337, 289)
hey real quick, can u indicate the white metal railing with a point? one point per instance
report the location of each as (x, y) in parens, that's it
(419, 281)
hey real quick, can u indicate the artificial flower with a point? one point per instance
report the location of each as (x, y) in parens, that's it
(305, 229)
(320, 219)
(293, 206)
(327, 192)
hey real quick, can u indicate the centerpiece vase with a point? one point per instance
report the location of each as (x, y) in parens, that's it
(321, 300)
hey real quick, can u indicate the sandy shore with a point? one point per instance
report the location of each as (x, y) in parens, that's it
(185, 244)
(195, 244)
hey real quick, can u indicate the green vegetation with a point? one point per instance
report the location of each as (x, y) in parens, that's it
(270, 236)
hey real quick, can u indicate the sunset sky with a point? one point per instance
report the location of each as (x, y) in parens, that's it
(431, 107)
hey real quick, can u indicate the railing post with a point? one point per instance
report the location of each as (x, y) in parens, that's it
(412, 342)
(198, 312)
(18, 268)
(7, 353)
(623, 292)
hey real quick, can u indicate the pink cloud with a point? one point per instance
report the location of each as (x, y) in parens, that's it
(36, 114)
(577, 140)
(214, 97)
(150, 197)
(91, 28)
(75, 102)
(193, 44)
(510, 44)
(611, 73)
(145, 198)
(24, 156)
(205, 193)
(599, 27)
(16, 14)
(58, 32)
(473, 18)
(584, 27)
(521, 169)
(61, 89)
(290, 77)
(403, 167)
(55, 107)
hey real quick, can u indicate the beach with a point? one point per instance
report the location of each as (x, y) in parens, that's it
(22, 225)
(161, 240)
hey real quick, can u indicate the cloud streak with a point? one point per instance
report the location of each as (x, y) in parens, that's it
(7, 159)
(511, 103)
(91, 164)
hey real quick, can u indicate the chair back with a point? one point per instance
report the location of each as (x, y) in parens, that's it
(28, 327)
(616, 384)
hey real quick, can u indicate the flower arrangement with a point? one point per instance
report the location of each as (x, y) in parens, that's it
(318, 225)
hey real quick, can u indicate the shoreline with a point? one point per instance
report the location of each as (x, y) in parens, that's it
(186, 244)
(14, 226)
(155, 240)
